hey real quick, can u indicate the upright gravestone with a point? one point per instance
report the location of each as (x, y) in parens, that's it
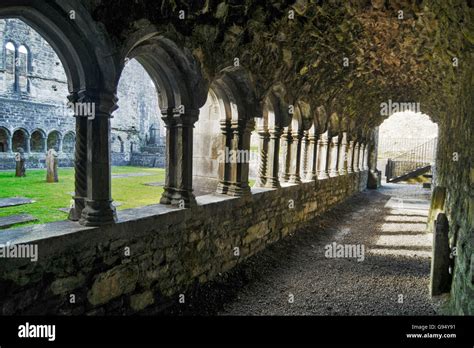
(20, 163)
(52, 166)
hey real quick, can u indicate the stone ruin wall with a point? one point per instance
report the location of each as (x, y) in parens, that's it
(42, 105)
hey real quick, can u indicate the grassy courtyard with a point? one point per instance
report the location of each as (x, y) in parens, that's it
(128, 192)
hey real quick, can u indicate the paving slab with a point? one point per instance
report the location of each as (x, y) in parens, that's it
(14, 201)
(9, 221)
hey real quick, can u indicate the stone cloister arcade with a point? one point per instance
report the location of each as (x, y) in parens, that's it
(314, 150)
(38, 141)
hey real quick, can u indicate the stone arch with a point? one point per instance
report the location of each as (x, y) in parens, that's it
(208, 144)
(182, 91)
(38, 141)
(20, 139)
(270, 128)
(69, 141)
(233, 96)
(54, 141)
(5, 140)
(90, 65)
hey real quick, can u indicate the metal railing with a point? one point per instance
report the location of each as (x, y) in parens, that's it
(415, 159)
(392, 147)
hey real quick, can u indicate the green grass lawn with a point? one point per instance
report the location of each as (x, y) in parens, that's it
(50, 197)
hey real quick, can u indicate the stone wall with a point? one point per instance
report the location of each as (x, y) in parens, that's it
(157, 252)
(455, 172)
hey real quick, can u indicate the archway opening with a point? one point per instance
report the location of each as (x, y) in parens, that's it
(209, 148)
(34, 90)
(407, 148)
(19, 140)
(54, 141)
(37, 141)
(138, 140)
(4, 140)
(69, 143)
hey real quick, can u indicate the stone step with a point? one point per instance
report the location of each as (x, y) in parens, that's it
(12, 220)
(14, 201)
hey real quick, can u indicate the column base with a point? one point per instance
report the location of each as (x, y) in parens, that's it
(98, 212)
(285, 178)
(342, 172)
(312, 177)
(268, 183)
(233, 189)
(374, 179)
(323, 175)
(295, 179)
(76, 211)
(179, 197)
(333, 173)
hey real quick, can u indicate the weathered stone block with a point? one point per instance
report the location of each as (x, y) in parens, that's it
(113, 283)
(141, 301)
(66, 285)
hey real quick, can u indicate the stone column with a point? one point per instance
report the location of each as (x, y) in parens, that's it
(269, 161)
(28, 144)
(99, 209)
(45, 144)
(361, 157)
(356, 157)
(225, 169)
(350, 157)
(237, 183)
(80, 168)
(287, 140)
(304, 155)
(60, 145)
(366, 157)
(312, 172)
(342, 166)
(295, 168)
(263, 150)
(9, 144)
(323, 157)
(374, 179)
(179, 157)
(332, 160)
(273, 158)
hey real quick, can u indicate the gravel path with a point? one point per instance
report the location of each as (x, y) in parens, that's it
(294, 277)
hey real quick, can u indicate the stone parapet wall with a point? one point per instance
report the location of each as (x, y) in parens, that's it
(34, 161)
(157, 252)
(148, 160)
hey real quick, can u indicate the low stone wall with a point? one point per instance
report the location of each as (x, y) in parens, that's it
(148, 160)
(157, 252)
(34, 161)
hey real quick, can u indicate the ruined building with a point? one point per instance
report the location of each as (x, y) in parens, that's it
(34, 110)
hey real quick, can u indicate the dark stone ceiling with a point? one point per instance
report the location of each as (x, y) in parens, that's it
(408, 59)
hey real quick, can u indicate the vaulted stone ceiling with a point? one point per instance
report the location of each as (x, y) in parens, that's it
(396, 49)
